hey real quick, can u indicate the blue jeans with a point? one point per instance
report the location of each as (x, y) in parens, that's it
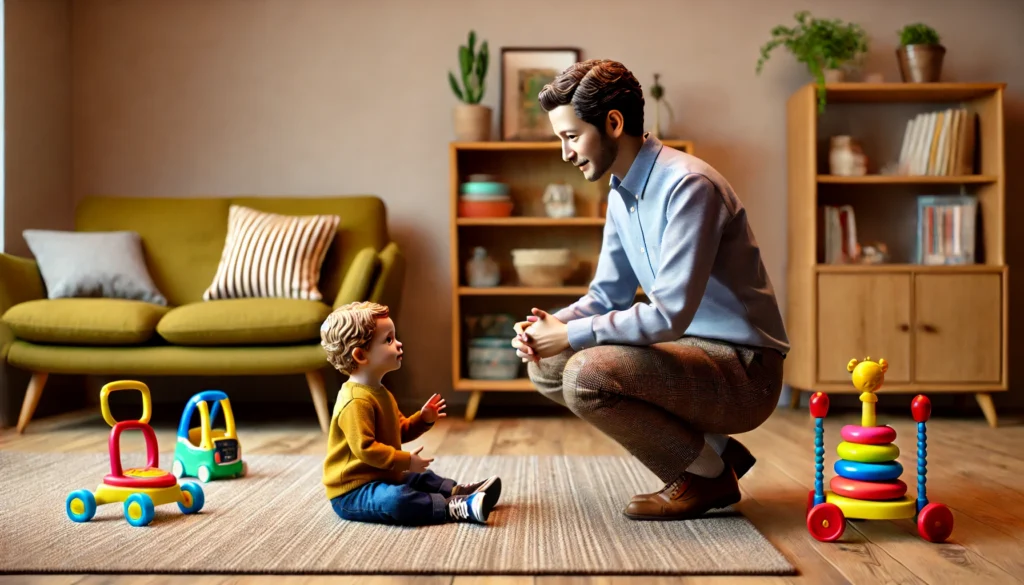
(419, 499)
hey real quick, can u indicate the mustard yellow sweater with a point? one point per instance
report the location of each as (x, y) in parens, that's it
(365, 439)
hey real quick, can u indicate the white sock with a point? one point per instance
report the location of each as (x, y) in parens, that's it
(708, 463)
(717, 442)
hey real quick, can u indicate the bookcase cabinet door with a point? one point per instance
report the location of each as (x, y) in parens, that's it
(958, 335)
(864, 315)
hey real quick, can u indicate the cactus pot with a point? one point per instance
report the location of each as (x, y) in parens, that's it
(472, 122)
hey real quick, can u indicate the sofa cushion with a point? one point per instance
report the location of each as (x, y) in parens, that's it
(85, 321)
(244, 322)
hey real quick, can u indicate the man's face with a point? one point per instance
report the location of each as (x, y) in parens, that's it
(582, 144)
(385, 351)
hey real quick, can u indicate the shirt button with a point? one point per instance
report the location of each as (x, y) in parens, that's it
(643, 251)
(632, 209)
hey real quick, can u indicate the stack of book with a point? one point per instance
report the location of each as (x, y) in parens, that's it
(841, 246)
(939, 143)
(946, 229)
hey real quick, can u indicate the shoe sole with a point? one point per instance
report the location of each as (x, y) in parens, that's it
(723, 503)
(492, 492)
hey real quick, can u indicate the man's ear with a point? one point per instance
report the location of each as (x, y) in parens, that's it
(614, 124)
(359, 356)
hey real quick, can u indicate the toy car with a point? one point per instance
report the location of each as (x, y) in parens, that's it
(203, 451)
(141, 489)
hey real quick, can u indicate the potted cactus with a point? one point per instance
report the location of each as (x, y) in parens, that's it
(920, 54)
(472, 120)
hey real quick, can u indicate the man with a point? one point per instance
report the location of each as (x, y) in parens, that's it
(668, 379)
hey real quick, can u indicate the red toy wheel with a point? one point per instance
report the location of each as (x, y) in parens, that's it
(935, 522)
(810, 502)
(826, 522)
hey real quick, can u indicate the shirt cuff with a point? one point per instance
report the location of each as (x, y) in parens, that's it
(581, 333)
(565, 315)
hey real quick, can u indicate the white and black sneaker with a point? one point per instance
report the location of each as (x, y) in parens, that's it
(469, 508)
(491, 485)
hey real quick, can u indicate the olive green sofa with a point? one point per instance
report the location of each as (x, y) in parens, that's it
(182, 242)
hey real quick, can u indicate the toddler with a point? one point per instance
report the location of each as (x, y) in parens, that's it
(368, 477)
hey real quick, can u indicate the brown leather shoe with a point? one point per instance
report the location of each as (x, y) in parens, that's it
(689, 496)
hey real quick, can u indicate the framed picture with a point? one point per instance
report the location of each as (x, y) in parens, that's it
(524, 72)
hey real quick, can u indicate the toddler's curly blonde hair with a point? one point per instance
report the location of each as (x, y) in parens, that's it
(347, 328)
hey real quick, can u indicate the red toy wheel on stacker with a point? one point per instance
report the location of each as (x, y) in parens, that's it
(935, 522)
(826, 522)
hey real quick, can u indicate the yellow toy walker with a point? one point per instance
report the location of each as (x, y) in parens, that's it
(867, 485)
(141, 489)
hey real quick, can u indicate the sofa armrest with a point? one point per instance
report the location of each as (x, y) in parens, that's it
(387, 289)
(359, 278)
(20, 281)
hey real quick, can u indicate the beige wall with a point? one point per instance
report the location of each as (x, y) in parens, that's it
(196, 97)
(37, 103)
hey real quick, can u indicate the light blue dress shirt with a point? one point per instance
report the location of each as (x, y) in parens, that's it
(676, 228)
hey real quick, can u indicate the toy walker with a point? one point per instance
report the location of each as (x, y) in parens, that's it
(868, 485)
(203, 451)
(141, 489)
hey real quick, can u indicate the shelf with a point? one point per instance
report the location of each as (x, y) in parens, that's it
(527, 291)
(530, 221)
(516, 385)
(908, 92)
(906, 179)
(920, 268)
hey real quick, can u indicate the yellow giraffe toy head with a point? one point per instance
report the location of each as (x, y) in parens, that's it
(867, 375)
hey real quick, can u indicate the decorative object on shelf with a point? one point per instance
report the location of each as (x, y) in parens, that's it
(543, 267)
(846, 157)
(492, 358)
(472, 120)
(821, 45)
(558, 200)
(658, 93)
(920, 54)
(482, 270)
(484, 196)
(874, 77)
(877, 253)
(524, 72)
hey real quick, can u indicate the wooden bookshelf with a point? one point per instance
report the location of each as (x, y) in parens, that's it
(942, 328)
(528, 168)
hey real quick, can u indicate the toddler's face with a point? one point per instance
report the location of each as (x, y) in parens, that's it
(385, 351)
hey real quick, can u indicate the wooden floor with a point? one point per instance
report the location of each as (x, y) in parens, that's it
(976, 470)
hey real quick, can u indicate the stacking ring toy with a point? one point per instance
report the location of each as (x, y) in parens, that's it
(882, 435)
(868, 453)
(868, 471)
(868, 490)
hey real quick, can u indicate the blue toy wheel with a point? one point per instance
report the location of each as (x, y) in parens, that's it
(193, 498)
(81, 505)
(139, 510)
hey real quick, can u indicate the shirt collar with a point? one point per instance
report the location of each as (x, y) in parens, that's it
(636, 177)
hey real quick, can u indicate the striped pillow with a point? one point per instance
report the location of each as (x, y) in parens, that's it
(272, 255)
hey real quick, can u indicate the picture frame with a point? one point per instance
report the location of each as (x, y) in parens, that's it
(524, 72)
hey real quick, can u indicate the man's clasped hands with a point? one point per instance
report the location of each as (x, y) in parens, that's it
(540, 336)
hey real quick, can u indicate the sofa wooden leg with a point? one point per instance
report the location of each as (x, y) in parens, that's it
(32, 395)
(987, 407)
(315, 379)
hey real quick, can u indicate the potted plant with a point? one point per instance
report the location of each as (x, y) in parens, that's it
(824, 46)
(920, 54)
(472, 120)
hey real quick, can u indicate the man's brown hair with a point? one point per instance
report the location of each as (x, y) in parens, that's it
(594, 88)
(347, 328)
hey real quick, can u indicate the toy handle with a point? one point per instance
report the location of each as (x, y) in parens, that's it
(152, 450)
(147, 403)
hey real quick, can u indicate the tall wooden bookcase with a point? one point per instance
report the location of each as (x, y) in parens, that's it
(528, 168)
(942, 328)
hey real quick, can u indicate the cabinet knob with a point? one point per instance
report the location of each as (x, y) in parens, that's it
(904, 327)
(928, 328)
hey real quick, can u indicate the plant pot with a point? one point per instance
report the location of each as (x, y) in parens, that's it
(834, 75)
(920, 63)
(472, 122)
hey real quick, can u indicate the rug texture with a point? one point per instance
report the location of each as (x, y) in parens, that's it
(557, 515)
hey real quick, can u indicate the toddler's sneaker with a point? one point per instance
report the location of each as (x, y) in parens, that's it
(491, 485)
(469, 508)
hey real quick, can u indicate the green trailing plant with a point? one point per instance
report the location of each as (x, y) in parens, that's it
(473, 71)
(918, 34)
(819, 44)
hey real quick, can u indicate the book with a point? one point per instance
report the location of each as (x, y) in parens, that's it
(946, 229)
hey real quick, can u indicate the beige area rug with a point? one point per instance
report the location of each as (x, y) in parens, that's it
(557, 515)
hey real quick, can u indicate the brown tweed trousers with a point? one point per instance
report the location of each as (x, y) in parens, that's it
(657, 401)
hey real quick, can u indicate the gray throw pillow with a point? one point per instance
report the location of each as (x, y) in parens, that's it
(93, 264)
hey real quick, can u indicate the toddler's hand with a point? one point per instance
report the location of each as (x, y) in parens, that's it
(419, 464)
(431, 411)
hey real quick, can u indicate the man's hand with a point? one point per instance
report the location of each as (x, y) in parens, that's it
(431, 411)
(418, 464)
(547, 336)
(524, 351)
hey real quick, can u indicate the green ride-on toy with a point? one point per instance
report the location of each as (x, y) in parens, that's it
(203, 451)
